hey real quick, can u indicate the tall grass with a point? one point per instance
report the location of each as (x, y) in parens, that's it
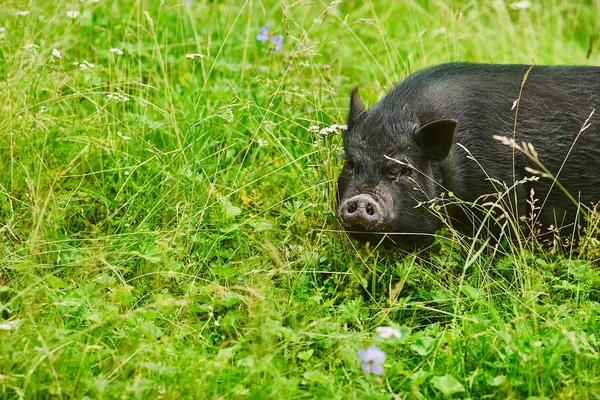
(167, 222)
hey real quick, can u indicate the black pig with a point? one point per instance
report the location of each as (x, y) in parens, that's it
(434, 139)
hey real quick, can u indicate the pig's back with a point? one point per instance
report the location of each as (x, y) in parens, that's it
(555, 103)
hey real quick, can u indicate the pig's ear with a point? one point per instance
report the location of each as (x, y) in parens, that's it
(436, 138)
(356, 108)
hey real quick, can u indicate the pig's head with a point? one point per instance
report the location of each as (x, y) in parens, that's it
(395, 168)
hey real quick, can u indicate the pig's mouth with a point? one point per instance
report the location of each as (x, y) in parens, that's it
(367, 217)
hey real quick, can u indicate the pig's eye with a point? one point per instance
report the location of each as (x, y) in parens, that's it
(397, 172)
(352, 166)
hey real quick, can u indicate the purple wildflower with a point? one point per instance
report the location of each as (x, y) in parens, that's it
(278, 42)
(372, 358)
(263, 36)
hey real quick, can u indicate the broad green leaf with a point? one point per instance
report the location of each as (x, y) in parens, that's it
(423, 345)
(471, 292)
(497, 381)
(55, 282)
(261, 224)
(316, 377)
(229, 209)
(447, 384)
(305, 355)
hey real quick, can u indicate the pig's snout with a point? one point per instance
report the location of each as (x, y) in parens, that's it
(362, 210)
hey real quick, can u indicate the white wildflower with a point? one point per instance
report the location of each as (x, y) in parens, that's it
(56, 53)
(335, 128)
(22, 13)
(313, 128)
(84, 65)
(124, 137)
(387, 332)
(520, 5)
(261, 142)
(117, 97)
(193, 56)
(217, 323)
(439, 31)
(116, 51)
(73, 14)
(227, 115)
(6, 327)
(43, 109)
(31, 47)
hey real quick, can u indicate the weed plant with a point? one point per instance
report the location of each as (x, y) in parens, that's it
(167, 209)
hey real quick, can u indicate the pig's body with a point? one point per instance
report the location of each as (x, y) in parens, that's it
(435, 114)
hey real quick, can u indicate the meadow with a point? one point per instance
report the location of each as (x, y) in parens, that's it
(167, 209)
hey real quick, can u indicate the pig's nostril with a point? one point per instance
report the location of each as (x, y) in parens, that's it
(352, 208)
(370, 209)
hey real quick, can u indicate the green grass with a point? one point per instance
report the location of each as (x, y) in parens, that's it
(182, 244)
